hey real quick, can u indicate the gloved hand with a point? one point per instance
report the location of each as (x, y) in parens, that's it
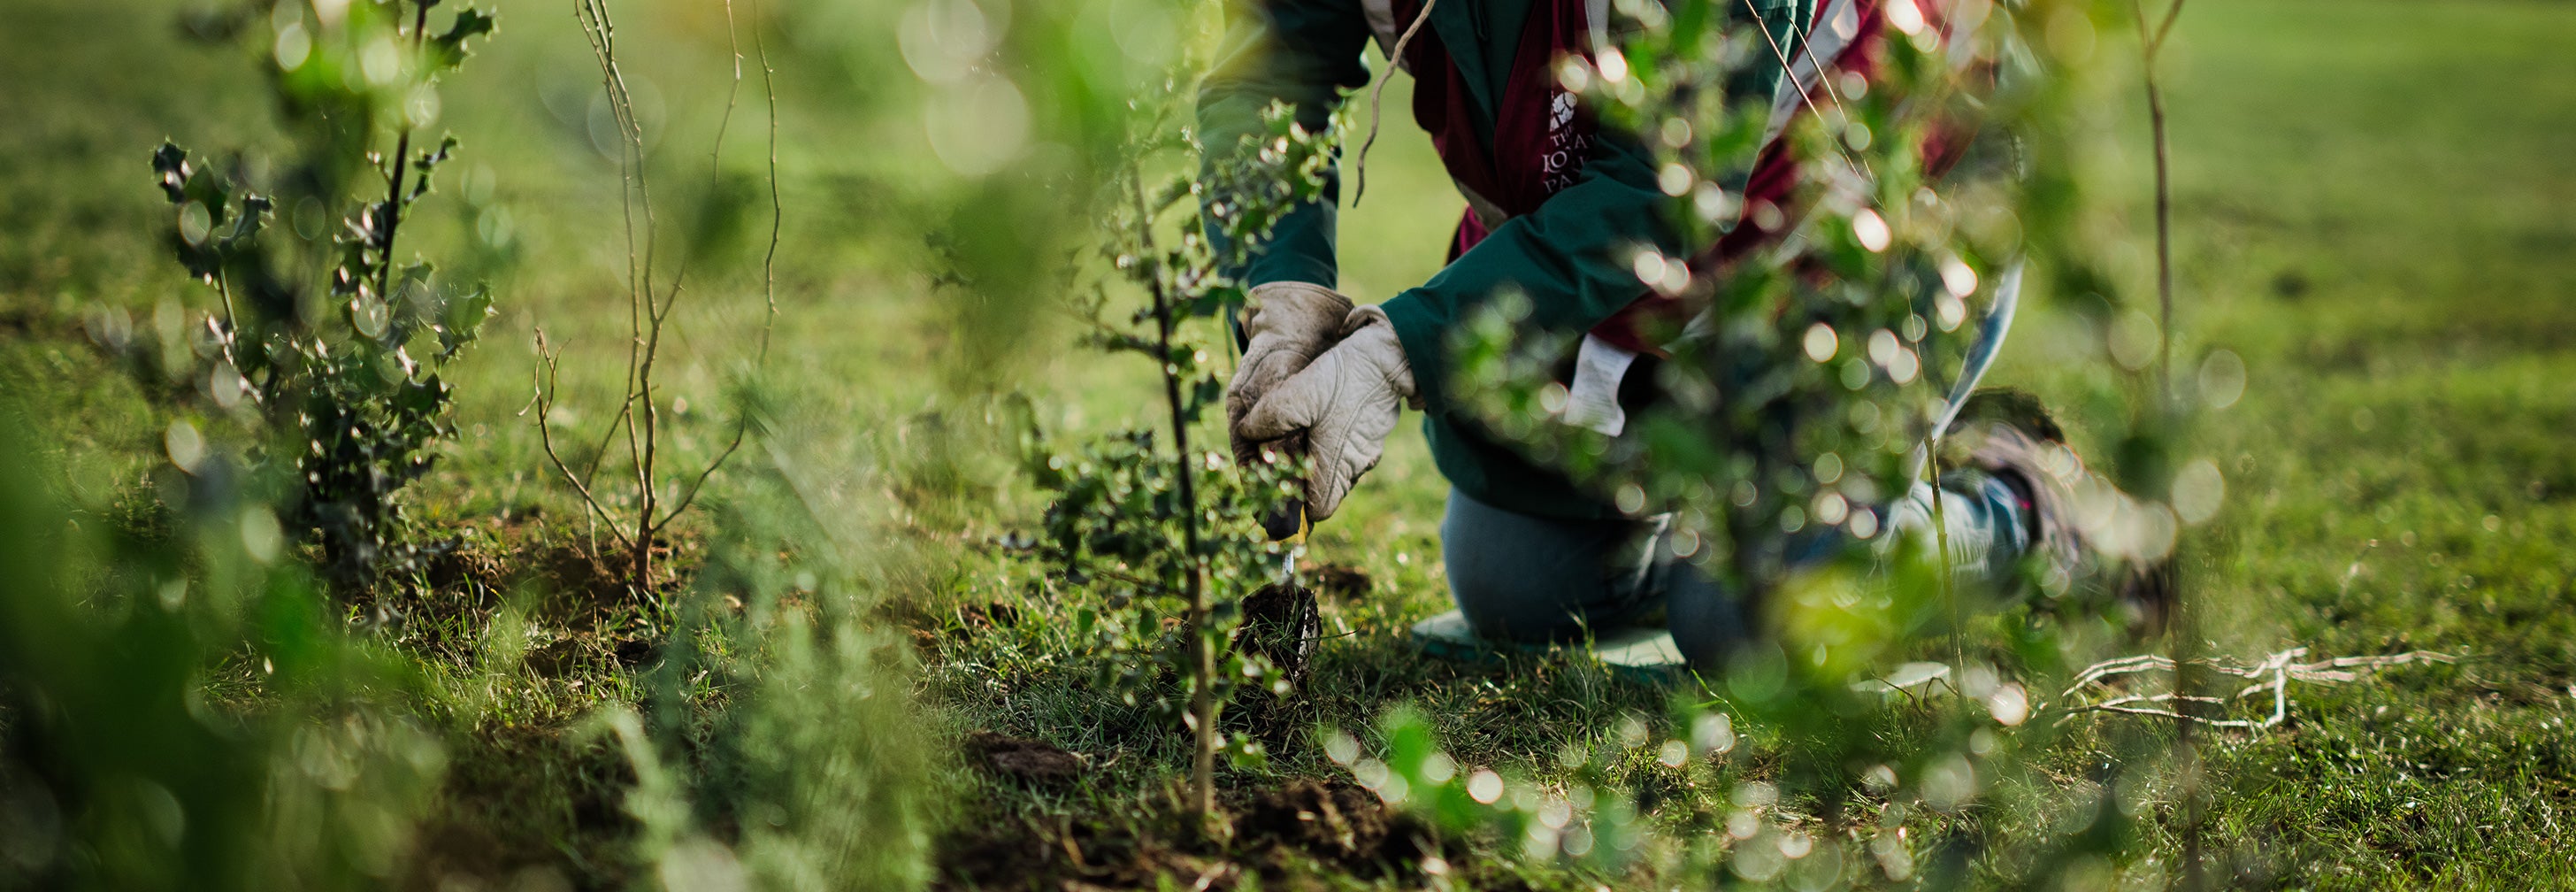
(1345, 403)
(1287, 324)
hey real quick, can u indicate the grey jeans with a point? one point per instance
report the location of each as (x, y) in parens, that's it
(1523, 578)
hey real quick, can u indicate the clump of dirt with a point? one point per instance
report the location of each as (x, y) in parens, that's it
(1279, 833)
(988, 857)
(559, 658)
(593, 620)
(974, 619)
(522, 805)
(469, 564)
(1341, 581)
(1024, 760)
(1334, 822)
(1282, 625)
(580, 652)
(1075, 855)
(586, 583)
(634, 652)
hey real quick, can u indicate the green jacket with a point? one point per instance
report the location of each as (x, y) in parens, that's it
(1571, 257)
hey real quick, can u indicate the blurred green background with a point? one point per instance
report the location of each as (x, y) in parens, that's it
(2372, 211)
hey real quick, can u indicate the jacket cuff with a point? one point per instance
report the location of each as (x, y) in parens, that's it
(1274, 267)
(1424, 338)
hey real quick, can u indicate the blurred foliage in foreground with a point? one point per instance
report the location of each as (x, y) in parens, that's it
(183, 705)
(301, 363)
(1805, 391)
(179, 714)
(179, 708)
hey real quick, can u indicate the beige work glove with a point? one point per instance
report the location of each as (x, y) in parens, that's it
(1286, 325)
(1345, 403)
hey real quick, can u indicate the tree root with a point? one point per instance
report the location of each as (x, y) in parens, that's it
(2272, 675)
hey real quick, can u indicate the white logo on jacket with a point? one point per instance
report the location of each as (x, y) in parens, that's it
(1563, 155)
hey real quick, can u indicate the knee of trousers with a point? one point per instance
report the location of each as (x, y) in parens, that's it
(1708, 622)
(1522, 578)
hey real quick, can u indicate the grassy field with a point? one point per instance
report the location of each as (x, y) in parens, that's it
(2371, 210)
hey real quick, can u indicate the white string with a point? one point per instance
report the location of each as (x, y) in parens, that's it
(1789, 69)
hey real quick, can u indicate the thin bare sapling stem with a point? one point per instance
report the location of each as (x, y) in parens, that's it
(649, 309)
(2183, 627)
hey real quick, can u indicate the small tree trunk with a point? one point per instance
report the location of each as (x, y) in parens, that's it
(1201, 657)
(2167, 413)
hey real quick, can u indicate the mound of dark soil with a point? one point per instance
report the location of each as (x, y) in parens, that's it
(595, 621)
(586, 652)
(1072, 855)
(1337, 823)
(1341, 581)
(1022, 759)
(976, 619)
(1282, 625)
(1296, 829)
(525, 807)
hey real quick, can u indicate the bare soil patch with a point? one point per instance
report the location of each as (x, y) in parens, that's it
(1299, 828)
(1024, 760)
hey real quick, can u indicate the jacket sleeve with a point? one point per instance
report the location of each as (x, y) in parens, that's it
(1303, 53)
(1574, 257)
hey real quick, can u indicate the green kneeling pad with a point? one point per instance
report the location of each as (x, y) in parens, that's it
(1635, 653)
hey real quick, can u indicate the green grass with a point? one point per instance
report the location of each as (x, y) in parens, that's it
(2397, 470)
(2371, 204)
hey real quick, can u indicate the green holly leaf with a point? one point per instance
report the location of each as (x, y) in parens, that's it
(420, 399)
(254, 212)
(447, 51)
(428, 162)
(461, 321)
(171, 162)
